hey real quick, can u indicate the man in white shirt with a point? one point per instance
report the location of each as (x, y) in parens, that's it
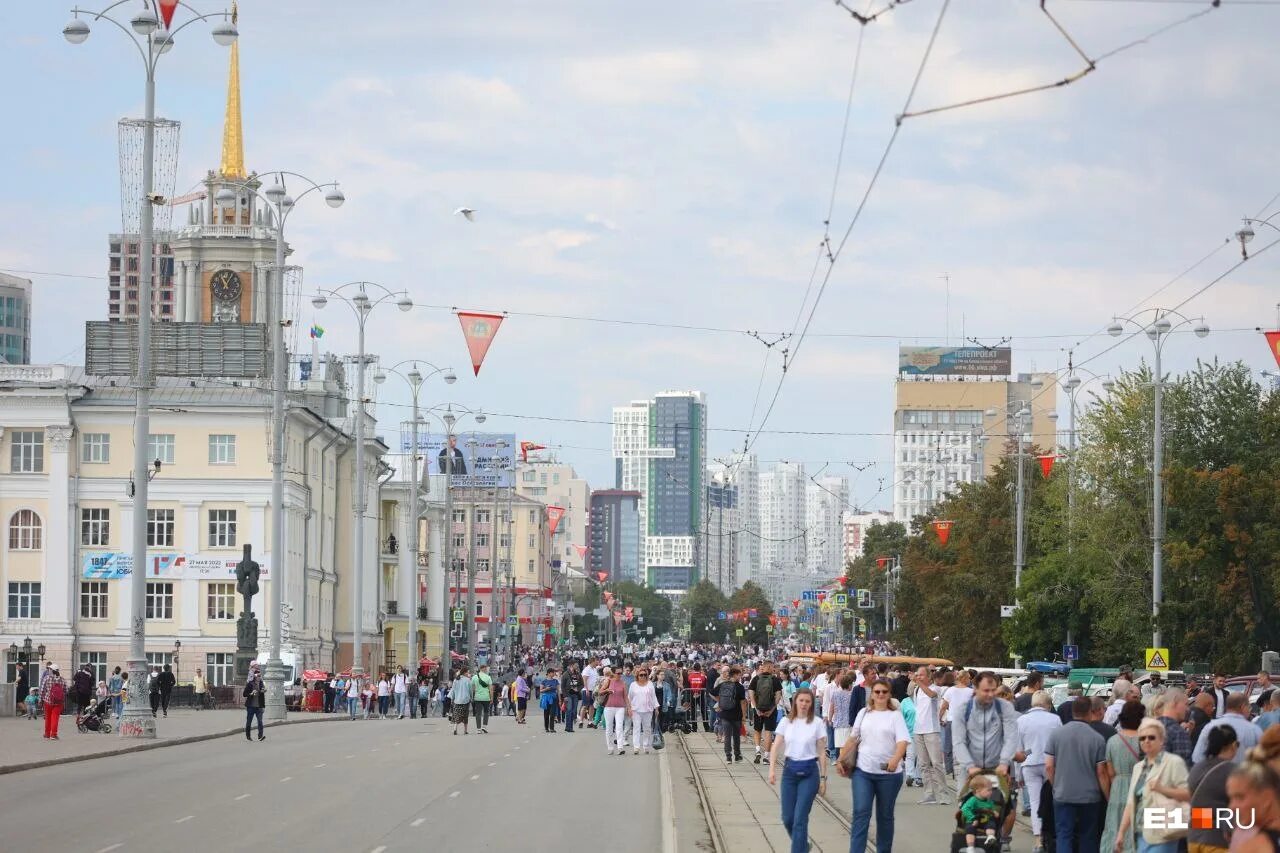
(1121, 691)
(928, 737)
(819, 686)
(1034, 730)
(400, 687)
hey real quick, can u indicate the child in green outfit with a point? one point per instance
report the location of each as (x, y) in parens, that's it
(979, 814)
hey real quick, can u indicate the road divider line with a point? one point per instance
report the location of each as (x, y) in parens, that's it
(493, 764)
(419, 822)
(184, 819)
(286, 779)
(318, 766)
(241, 797)
(475, 777)
(115, 846)
(454, 794)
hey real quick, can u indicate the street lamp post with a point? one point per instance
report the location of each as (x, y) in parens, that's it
(1157, 331)
(151, 41)
(415, 379)
(281, 204)
(362, 306)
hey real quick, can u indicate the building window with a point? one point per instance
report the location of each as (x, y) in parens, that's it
(222, 450)
(529, 477)
(532, 540)
(479, 608)
(93, 599)
(533, 516)
(219, 668)
(459, 540)
(531, 569)
(161, 447)
(160, 527)
(482, 564)
(95, 527)
(482, 516)
(98, 662)
(159, 660)
(555, 479)
(24, 600)
(221, 601)
(25, 531)
(222, 528)
(504, 540)
(460, 516)
(95, 447)
(159, 600)
(482, 540)
(26, 454)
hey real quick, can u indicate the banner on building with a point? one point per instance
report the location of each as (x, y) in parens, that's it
(490, 462)
(479, 330)
(110, 565)
(955, 361)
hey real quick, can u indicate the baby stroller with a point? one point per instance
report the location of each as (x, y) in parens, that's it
(1005, 800)
(94, 719)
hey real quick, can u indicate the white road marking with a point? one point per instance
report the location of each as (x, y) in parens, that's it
(350, 756)
(454, 794)
(115, 846)
(667, 807)
(241, 797)
(419, 822)
(506, 755)
(378, 849)
(184, 819)
(318, 766)
(474, 778)
(493, 764)
(286, 779)
(375, 749)
(515, 747)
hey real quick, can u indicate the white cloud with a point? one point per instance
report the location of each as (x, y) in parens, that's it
(650, 77)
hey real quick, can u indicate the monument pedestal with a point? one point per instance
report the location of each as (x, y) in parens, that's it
(246, 645)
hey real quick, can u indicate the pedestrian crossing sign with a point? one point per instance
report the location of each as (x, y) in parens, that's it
(459, 615)
(1156, 660)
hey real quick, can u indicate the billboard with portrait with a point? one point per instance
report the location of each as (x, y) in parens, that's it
(489, 462)
(955, 361)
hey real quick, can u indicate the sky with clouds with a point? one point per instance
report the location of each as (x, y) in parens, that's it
(673, 163)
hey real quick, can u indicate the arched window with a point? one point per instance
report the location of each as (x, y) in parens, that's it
(25, 531)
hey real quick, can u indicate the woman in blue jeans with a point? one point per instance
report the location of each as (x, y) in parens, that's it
(802, 739)
(880, 736)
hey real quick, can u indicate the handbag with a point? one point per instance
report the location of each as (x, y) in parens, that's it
(848, 761)
(1176, 812)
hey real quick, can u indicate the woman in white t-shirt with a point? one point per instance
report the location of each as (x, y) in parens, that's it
(802, 738)
(880, 736)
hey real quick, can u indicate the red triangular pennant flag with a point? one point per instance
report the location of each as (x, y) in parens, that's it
(526, 446)
(881, 561)
(167, 8)
(795, 602)
(943, 529)
(479, 330)
(602, 576)
(581, 549)
(1046, 463)
(554, 514)
(1273, 341)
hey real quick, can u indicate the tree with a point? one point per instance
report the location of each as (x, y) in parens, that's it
(656, 609)
(750, 597)
(705, 602)
(879, 541)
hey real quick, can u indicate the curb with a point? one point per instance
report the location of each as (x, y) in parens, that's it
(156, 744)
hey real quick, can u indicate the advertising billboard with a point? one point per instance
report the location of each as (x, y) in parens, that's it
(109, 565)
(483, 465)
(955, 361)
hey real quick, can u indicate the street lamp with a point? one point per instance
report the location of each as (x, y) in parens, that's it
(1157, 331)
(151, 42)
(362, 307)
(26, 652)
(415, 379)
(275, 197)
(1245, 234)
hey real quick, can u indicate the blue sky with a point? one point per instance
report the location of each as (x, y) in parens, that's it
(673, 162)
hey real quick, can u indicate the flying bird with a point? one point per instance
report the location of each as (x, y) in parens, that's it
(467, 212)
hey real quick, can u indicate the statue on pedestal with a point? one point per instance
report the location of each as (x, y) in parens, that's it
(247, 574)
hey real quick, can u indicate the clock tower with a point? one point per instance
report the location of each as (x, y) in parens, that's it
(224, 254)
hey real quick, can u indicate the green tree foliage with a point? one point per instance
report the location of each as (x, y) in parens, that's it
(656, 609)
(705, 603)
(879, 540)
(750, 596)
(1089, 536)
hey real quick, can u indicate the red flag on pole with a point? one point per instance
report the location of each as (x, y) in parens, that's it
(602, 576)
(479, 330)
(554, 514)
(526, 446)
(1046, 463)
(581, 549)
(795, 602)
(881, 562)
(943, 529)
(167, 8)
(1273, 341)
(630, 613)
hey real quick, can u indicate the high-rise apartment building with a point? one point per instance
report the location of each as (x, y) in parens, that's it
(783, 510)
(659, 447)
(856, 525)
(826, 501)
(614, 535)
(955, 417)
(15, 319)
(721, 531)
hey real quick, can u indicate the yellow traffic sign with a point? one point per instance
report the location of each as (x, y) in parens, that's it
(1156, 660)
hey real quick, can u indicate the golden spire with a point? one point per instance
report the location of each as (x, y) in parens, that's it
(232, 130)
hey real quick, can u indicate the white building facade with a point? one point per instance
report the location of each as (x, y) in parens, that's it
(826, 501)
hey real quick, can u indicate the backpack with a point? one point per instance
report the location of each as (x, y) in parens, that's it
(766, 692)
(57, 693)
(726, 697)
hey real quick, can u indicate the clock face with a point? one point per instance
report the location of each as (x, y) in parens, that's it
(226, 286)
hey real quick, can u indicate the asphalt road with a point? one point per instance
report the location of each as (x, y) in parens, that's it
(365, 786)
